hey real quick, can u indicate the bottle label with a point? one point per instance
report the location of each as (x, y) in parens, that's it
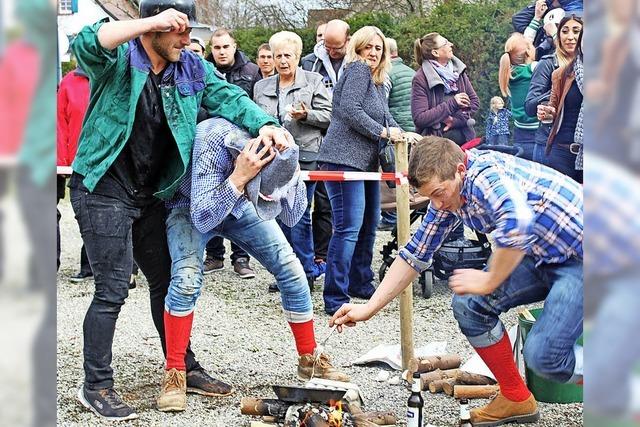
(414, 417)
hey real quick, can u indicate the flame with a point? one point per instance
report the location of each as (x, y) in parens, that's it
(335, 414)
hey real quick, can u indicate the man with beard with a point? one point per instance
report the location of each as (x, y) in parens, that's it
(134, 150)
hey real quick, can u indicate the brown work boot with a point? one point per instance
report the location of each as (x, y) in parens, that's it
(502, 411)
(173, 394)
(323, 369)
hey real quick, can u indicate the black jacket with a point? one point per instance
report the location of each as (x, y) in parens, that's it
(539, 91)
(243, 72)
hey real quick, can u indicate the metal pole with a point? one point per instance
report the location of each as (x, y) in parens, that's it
(406, 297)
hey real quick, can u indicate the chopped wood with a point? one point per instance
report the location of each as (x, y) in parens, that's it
(255, 406)
(437, 386)
(431, 363)
(377, 418)
(475, 391)
(474, 379)
(447, 387)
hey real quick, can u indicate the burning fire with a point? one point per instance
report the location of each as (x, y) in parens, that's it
(335, 413)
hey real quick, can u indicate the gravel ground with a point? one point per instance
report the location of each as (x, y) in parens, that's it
(240, 336)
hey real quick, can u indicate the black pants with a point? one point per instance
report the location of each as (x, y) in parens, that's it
(117, 227)
(321, 221)
(216, 249)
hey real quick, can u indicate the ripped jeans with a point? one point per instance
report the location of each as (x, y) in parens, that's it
(550, 349)
(263, 240)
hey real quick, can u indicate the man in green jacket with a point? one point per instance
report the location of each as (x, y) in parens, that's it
(134, 149)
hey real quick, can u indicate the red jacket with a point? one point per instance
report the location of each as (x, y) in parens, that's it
(73, 100)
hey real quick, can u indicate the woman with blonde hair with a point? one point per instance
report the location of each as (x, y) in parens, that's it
(514, 76)
(443, 100)
(360, 123)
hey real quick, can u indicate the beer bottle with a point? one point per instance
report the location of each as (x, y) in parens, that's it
(465, 415)
(415, 403)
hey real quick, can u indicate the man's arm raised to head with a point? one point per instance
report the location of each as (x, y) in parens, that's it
(113, 34)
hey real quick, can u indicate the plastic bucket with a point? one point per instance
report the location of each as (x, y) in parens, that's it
(546, 390)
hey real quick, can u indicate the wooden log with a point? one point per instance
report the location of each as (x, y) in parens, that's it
(429, 377)
(261, 424)
(475, 391)
(403, 234)
(438, 386)
(255, 406)
(431, 363)
(474, 379)
(448, 386)
(376, 418)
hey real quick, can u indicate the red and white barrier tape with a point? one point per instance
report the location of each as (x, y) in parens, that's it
(398, 177)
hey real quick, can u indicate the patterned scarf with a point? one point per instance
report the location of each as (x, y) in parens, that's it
(448, 75)
(578, 136)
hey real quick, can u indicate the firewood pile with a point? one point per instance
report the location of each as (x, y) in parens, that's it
(442, 374)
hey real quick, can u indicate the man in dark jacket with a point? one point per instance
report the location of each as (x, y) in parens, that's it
(237, 69)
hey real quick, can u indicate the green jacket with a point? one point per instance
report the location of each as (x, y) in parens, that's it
(400, 94)
(117, 78)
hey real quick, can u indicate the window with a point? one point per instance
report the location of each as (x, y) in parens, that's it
(65, 7)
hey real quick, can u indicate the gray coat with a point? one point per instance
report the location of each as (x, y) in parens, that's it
(308, 88)
(360, 112)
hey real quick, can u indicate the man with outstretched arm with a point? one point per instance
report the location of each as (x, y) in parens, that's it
(535, 216)
(134, 149)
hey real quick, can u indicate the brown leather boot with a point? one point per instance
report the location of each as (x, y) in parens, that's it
(323, 369)
(502, 411)
(173, 394)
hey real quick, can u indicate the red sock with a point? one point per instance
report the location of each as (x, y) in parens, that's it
(305, 337)
(177, 331)
(499, 359)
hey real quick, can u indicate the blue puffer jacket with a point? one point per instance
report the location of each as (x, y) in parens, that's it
(539, 91)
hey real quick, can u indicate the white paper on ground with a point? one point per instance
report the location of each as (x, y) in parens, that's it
(475, 365)
(392, 356)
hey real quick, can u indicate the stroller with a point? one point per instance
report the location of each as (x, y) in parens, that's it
(462, 253)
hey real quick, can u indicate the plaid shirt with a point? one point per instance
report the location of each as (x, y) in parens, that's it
(206, 188)
(613, 204)
(524, 204)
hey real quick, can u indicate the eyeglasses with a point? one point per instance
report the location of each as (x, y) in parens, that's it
(330, 49)
(446, 43)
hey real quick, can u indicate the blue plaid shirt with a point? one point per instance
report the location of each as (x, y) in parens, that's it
(524, 204)
(206, 188)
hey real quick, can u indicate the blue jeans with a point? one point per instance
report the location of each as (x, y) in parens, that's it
(300, 236)
(355, 206)
(560, 159)
(550, 348)
(498, 140)
(525, 139)
(263, 240)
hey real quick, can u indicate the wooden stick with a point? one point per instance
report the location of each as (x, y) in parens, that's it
(431, 363)
(475, 391)
(429, 377)
(439, 385)
(474, 379)
(448, 386)
(406, 297)
(376, 418)
(255, 406)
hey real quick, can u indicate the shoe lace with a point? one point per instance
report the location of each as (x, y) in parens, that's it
(173, 380)
(322, 363)
(111, 397)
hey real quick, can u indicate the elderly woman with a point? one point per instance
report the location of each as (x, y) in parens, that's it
(361, 119)
(302, 104)
(443, 100)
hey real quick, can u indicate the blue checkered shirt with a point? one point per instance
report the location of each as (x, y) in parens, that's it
(523, 204)
(206, 188)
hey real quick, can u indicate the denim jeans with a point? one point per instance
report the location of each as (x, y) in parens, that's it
(355, 206)
(613, 353)
(117, 227)
(300, 236)
(525, 139)
(550, 348)
(263, 240)
(560, 159)
(498, 140)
